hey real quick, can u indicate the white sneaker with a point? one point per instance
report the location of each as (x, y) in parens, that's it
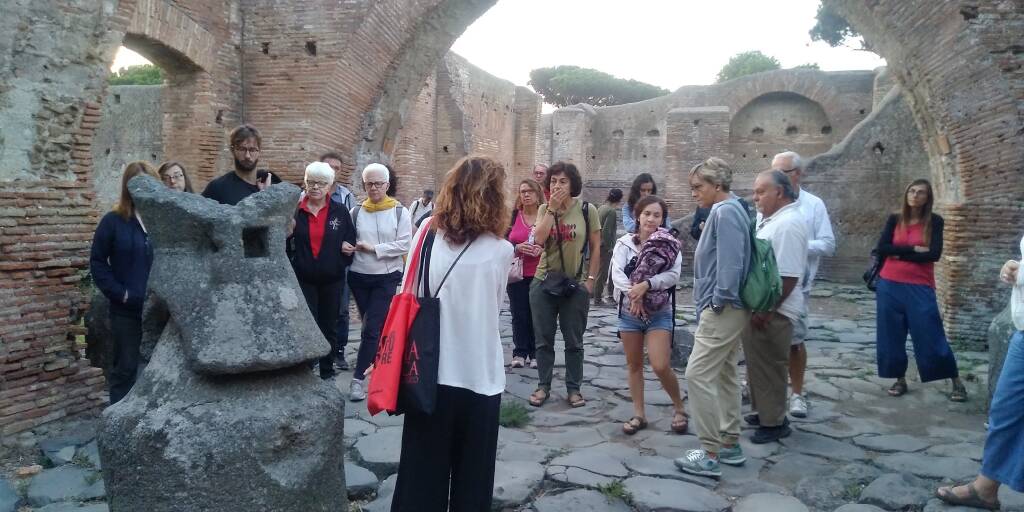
(533, 362)
(798, 406)
(356, 391)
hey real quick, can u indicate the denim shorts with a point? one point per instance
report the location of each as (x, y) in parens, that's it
(660, 321)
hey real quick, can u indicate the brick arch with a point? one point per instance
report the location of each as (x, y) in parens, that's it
(959, 65)
(167, 36)
(368, 97)
(807, 83)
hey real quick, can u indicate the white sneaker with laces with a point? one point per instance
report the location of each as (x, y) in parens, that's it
(356, 391)
(798, 406)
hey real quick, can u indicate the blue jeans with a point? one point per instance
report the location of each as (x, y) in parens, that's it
(1003, 460)
(911, 307)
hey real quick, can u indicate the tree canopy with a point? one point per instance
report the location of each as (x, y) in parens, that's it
(747, 63)
(568, 85)
(143, 74)
(831, 27)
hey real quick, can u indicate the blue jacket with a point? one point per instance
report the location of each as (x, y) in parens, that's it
(120, 260)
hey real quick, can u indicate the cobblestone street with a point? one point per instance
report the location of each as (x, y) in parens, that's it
(858, 449)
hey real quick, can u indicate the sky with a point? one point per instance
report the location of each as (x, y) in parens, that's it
(669, 43)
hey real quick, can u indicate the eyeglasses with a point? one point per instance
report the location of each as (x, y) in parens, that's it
(174, 177)
(790, 171)
(246, 151)
(376, 184)
(317, 184)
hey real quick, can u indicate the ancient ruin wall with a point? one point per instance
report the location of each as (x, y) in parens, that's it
(127, 131)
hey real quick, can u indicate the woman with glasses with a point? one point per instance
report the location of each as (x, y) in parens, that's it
(174, 176)
(524, 218)
(383, 230)
(911, 243)
(320, 249)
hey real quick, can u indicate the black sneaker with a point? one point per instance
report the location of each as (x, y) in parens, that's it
(341, 364)
(327, 375)
(765, 435)
(753, 420)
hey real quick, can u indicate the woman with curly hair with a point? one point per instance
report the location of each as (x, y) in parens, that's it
(447, 460)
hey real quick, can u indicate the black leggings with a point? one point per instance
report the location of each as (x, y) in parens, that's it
(323, 299)
(373, 293)
(124, 365)
(522, 319)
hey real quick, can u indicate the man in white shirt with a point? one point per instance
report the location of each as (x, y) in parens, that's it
(821, 243)
(768, 337)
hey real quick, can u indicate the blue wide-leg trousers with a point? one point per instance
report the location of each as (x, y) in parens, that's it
(903, 308)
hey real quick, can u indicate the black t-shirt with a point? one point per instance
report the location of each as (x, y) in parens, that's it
(229, 189)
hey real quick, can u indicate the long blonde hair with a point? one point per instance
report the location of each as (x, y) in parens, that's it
(125, 207)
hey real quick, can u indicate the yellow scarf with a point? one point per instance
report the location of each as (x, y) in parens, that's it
(385, 204)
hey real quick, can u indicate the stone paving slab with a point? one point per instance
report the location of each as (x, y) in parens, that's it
(579, 501)
(765, 502)
(897, 491)
(656, 494)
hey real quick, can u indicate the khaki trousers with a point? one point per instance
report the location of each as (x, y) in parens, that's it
(712, 378)
(767, 352)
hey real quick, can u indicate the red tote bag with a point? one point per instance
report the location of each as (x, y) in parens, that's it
(382, 392)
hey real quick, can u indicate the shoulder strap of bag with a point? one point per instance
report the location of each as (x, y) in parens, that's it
(414, 266)
(355, 216)
(585, 208)
(428, 248)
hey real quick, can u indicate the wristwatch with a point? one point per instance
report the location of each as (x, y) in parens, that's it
(717, 309)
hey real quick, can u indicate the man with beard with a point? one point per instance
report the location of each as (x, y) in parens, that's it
(244, 180)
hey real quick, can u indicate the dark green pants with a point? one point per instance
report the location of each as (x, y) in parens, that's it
(569, 313)
(602, 277)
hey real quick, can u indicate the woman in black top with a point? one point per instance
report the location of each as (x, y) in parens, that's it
(320, 249)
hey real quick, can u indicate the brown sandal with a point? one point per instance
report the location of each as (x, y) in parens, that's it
(972, 500)
(539, 396)
(634, 425)
(576, 400)
(680, 421)
(958, 394)
(899, 388)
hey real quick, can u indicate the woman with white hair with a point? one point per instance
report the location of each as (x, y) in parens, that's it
(383, 230)
(320, 249)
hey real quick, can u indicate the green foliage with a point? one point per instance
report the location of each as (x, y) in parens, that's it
(747, 63)
(809, 65)
(568, 85)
(615, 490)
(513, 415)
(144, 74)
(831, 27)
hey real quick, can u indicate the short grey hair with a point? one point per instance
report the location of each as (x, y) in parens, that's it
(378, 171)
(319, 170)
(792, 156)
(780, 180)
(715, 171)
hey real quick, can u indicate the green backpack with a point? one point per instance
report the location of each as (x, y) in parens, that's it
(762, 286)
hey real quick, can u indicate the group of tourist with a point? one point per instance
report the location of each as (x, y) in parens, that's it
(565, 252)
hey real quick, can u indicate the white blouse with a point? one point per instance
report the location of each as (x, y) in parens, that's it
(389, 235)
(471, 356)
(1017, 295)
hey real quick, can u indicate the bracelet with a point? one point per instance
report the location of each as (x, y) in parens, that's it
(591, 278)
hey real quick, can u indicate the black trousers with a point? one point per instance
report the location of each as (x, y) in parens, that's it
(522, 319)
(323, 299)
(373, 293)
(449, 456)
(124, 361)
(343, 317)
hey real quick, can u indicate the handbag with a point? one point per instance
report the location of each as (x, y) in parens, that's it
(515, 272)
(871, 274)
(382, 390)
(417, 388)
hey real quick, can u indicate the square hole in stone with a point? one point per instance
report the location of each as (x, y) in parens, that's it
(254, 242)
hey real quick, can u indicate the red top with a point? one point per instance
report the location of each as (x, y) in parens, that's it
(519, 234)
(317, 224)
(909, 272)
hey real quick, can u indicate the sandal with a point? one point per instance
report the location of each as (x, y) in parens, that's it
(959, 393)
(517, 362)
(898, 389)
(972, 500)
(576, 400)
(679, 422)
(634, 425)
(539, 396)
